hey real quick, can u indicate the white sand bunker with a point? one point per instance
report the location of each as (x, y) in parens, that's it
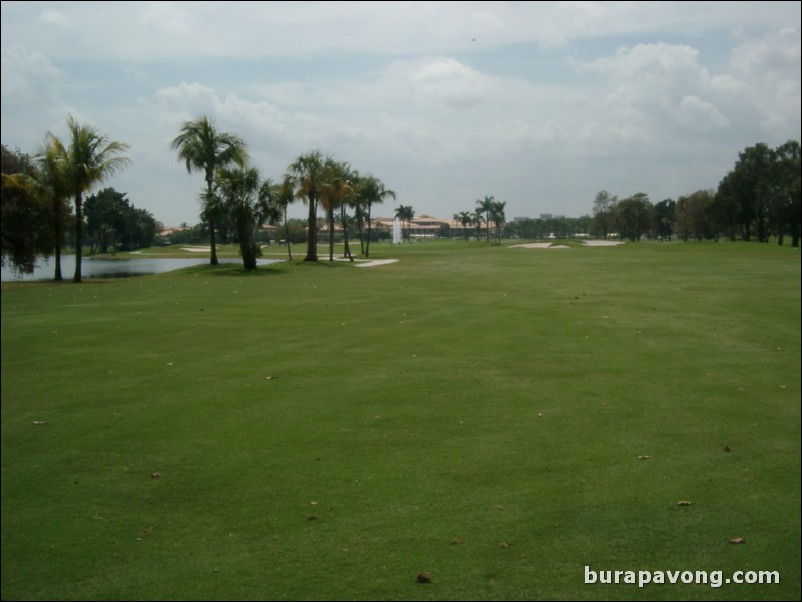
(603, 243)
(366, 263)
(540, 245)
(197, 249)
(374, 263)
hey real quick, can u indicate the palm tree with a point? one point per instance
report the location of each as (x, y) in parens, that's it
(333, 192)
(371, 190)
(405, 213)
(54, 182)
(464, 218)
(307, 175)
(498, 217)
(89, 159)
(284, 197)
(202, 147)
(485, 205)
(249, 203)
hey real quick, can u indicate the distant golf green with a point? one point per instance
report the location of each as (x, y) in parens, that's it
(502, 419)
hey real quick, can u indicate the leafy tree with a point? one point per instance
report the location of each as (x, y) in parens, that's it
(787, 204)
(634, 216)
(89, 159)
(664, 216)
(693, 215)
(25, 219)
(203, 148)
(604, 207)
(307, 174)
(112, 222)
(35, 211)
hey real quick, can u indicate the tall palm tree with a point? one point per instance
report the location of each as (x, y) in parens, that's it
(203, 148)
(89, 159)
(498, 217)
(466, 219)
(371, 190)
(406, 213)
(333, 192)
(54, 185)
(307, 174)
(485, 206)
(284, 197)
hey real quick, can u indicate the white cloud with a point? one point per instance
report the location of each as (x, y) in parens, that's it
(55, 18)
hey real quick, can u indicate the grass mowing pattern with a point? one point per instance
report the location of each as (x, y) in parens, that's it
(325, 432)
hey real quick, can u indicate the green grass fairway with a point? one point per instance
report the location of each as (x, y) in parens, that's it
(498, 417)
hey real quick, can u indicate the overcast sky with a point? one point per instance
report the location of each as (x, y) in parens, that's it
(540, 104)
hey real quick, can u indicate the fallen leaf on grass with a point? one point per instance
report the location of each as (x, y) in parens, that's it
(644, 457)
(456, 541)
(423, 577)
(311, 517)
(737, 540)
(727, 448)
(504, 544)
(684, 503)
(39, 422)
(313, 503)
(155, 475)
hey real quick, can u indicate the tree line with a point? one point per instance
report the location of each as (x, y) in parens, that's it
(759, 198)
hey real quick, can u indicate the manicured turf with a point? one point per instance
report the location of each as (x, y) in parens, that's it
(498, 417)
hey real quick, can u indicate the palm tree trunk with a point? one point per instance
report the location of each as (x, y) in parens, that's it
(213, 242)
(345, 236)
(311, 243)
(78, 242)
(287, 233)
(57, 250)
(330, 217)
(367, 247)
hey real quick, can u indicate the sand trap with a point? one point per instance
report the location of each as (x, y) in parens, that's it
(603, 243)
(197, 249)
(374, 263)
(540, 245)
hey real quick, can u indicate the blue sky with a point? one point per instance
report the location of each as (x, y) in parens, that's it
(540, 104)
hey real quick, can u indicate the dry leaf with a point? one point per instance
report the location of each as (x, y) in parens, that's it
(727, 448)
(39, 422)
(504, 544)
(644, 457)
(313, 503)
(155, 475)
(312, 517)
(456, 541)
(684, 503)
(737, 540)
(424, 577)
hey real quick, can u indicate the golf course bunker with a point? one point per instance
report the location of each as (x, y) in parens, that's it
(603, 243)
(540, 245)
(366, 263)
(374, 262)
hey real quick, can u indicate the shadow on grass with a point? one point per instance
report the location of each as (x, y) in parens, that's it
(274, 269)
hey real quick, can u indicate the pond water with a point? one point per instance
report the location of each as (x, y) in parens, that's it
(115, 268)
